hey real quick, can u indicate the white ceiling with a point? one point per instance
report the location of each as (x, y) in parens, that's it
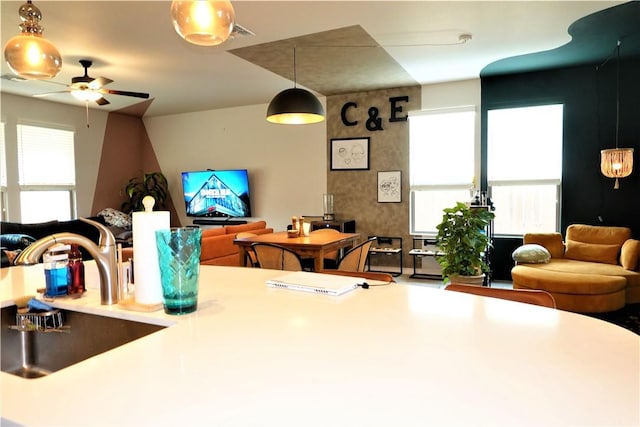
(134, 44)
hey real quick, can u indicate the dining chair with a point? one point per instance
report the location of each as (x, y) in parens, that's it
(529, 296)
(330, 258)
(276, 257)
(250, 257)
(356, 258)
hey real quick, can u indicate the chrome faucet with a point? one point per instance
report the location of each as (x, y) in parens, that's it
(105, 255)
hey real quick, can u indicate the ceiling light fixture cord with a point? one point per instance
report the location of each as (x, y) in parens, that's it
(617, 92)
(295, 79)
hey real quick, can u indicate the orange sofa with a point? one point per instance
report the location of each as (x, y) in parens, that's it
(217, 243)
(596, 269)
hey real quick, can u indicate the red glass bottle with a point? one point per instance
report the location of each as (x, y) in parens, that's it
(76, 271)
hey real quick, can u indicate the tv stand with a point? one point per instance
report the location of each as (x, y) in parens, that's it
(218, 221)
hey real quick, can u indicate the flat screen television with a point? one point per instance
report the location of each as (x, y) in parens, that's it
(217, 193)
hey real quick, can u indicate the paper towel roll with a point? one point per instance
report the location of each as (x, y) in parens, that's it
(146, 272)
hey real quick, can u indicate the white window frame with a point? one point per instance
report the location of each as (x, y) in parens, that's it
(555, 181)
(69, 186)
(463, 186)
(3, 175)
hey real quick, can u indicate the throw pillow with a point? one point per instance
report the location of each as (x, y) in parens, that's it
(531, 254)
(630, 254)
(551, 241)
(115, 217)
(16, 241)
(593, 252)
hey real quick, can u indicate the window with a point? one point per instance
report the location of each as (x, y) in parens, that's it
(46, 173)
(442, 164)
(524, 168)
(3, 176)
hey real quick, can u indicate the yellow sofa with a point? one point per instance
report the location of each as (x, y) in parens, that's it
(596, 269)
(217, 243)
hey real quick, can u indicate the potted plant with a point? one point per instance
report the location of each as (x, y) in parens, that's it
(462, 238)
(152, 184)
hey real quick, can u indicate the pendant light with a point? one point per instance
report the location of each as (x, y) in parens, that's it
(203, 22)
(295, 106)
(28, 54)
(617, 162)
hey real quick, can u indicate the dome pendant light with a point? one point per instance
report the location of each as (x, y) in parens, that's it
(203, 22)
(295, 106)
(28, 54)
(617, 162)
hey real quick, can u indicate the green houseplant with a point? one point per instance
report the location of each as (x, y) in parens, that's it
(463, 240)
(151, 184)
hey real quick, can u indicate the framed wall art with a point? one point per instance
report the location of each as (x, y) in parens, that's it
(350, 154)
(389, 187)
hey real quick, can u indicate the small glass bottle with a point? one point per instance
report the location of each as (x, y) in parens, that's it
(56, 274)
(76, 271)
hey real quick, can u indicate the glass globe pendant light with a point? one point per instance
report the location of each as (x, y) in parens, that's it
(203, 22)
(28, 54)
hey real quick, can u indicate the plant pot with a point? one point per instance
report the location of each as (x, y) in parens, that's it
(467, 280)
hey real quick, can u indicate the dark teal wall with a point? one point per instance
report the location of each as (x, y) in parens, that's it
(589, 96)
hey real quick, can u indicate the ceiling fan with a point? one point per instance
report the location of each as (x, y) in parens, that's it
(87, 88)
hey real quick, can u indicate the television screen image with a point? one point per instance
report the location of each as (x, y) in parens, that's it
(217, 193)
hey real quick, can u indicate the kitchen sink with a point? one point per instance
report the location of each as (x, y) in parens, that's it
(34, 354)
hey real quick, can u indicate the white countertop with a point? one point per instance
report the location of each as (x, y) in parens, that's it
(397, 355)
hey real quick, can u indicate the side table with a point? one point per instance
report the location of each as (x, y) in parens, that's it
(391, 249)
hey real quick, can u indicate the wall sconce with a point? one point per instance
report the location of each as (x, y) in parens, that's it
(295, 106)
(28, 54)
(203, 22)
(617, 162)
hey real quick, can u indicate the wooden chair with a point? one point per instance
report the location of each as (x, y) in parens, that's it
(370, 275)
(250, 258)
(276, 257)
(330, 258)
(356, 258)
(537, 297)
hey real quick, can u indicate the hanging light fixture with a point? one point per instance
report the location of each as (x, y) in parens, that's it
(203, 22)
(617, 162)
(295, 106)
(29, 54)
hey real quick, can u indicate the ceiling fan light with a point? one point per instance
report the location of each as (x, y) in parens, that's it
(28, 54)
(86, 95)
(295, 106)
(203, 22)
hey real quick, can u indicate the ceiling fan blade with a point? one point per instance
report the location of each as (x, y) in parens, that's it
(99, 82)
(125, 93)
(38, 95)
(102, 101)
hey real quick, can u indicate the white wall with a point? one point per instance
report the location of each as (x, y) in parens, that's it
(88, 144)
(287, 164)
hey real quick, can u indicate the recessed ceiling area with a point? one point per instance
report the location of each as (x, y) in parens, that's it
(135, 45)
(331, 62)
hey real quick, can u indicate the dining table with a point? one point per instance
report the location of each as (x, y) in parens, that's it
(314, 245)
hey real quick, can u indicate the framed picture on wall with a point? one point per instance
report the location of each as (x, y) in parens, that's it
(350, 154)
(389, 187)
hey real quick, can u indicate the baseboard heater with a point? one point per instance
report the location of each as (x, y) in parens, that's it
(208, 221)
